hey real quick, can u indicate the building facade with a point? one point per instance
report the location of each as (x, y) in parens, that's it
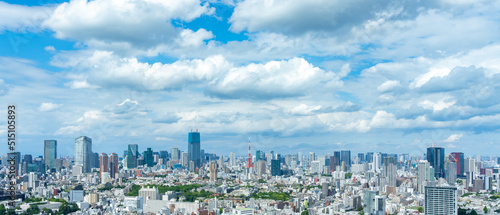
(83, 153)
(50, 153)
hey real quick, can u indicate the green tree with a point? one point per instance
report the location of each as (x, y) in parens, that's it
(33, 209)
(473, 212)
(47, 211)
(2, 209)
(485, 209)
(304, 212)
(11, 212)
(221, 211)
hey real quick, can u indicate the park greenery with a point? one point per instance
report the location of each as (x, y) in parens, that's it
(278, 196)
(186, 191)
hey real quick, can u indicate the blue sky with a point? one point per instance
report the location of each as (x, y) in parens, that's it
(320, 75)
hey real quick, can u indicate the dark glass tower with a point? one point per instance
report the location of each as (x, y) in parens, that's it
(50, 153)
(132, 156)
(346, 157)
(148, 157)
(458, 157)
(194, 151)
(435, 156)
(275, 167)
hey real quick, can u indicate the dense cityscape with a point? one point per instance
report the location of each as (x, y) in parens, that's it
(196, 182)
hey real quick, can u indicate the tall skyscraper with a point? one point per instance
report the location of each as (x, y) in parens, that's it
(164, 155)
(185, 159)
(103, 164)
(312, 157)
(213, 171)
(232, 159)
(275, 167)
(361, 157)
(83, 153)
(50, 153)
(345, 156)
(113, 164)
(17, 157)
(458, 157)
(259, 155)
(451, 173)
(389, 168)
(148, 157)
(132, 155)
(194, 148)
(435, 156)
(175, 154)
(440, 200)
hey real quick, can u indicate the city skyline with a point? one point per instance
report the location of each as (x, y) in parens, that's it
(361, 75)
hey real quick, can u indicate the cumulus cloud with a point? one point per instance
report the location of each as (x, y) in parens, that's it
(128, 24)
(293, 17)
(20, 18)
(453, 138)
(272, 80)
(46, 107)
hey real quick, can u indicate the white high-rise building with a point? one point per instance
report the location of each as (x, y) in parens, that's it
(83, 153)
(377, 160)
(315, 167)
(441, 200)
(232, 159)
(423, 176)
(451, 173)
(184, 159)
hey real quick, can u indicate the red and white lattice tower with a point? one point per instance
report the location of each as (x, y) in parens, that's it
(249, 162)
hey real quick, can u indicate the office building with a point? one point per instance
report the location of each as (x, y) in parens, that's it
(194, 148)
(164, 155)
(148, 157)
(103, 164)
(435, 156)
(389, 170)
(132, 156)
(113, 165)
(83, 153)
(458, 157)
(232, 159)
(312, 157)
(175, 154)
(50, 153)
(451, 173)
(149, 193)
(184, 159)
(213, 171)
(333, 163)
(440, 200)
(260, 155)
(275, 167)
(345, 156)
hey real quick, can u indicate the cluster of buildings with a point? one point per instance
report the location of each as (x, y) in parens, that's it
(266, 183)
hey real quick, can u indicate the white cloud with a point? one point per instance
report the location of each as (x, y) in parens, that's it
(453, 138)
(388, 86)
(22, 18)
(273, 79)
(49, 48)
(120, 25)
(46, 107)
(163, 139)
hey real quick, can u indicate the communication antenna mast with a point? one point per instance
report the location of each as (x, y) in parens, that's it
(249, 162)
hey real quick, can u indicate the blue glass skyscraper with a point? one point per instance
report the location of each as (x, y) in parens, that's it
(435, 156)
(194, 148)
(50, 153)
